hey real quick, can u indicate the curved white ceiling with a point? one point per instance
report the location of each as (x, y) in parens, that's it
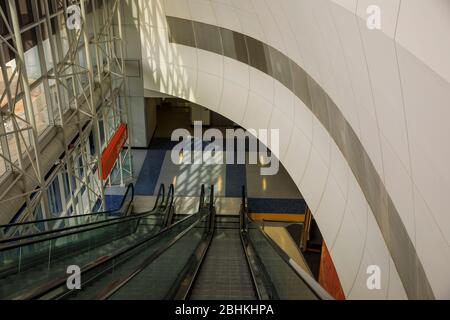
(391, 90)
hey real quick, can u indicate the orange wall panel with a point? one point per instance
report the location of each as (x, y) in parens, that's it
(328, 277)
(113, 149)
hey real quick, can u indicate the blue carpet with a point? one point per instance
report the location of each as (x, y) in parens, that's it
(259, 205)
(148, 177)
(113, 202)
(235, 179)
(162, 144)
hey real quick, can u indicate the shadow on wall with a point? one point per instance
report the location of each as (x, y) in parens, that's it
(159, 49)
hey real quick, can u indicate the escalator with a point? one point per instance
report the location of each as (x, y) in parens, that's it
(34, 263)
(113, 275)
(201, 257)
(242, 262)
(224, 273)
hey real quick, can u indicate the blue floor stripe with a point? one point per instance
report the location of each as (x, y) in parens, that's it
(162, 144)
(148, 177)
(260, 205)
(235, 179)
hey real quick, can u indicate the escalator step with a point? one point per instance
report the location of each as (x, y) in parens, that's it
(224, 274)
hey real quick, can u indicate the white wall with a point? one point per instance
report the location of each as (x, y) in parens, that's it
(391, 85)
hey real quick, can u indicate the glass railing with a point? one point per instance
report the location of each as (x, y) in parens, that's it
(171, 261)
(281, 277)
(12, 232)
(158, 260)
(119, 269)
(32, 264)
(163, 268)
(288, 285)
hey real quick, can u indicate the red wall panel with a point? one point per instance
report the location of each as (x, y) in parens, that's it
(113, 149)
(328, 277)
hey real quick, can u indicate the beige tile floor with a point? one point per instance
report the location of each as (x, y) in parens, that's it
(187, 179)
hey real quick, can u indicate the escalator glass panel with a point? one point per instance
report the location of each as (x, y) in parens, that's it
(287, 283)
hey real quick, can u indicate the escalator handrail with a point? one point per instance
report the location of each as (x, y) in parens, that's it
(53, 285)
(64, 232)
(161, 196)
(211, 198)
(307, 279)
(125, 279)
(181, 289)
(114, 287)
(168, 207)
(129, 187)
(267, 290)
(170, 196)
(202, 198)
(244, 210)
(166, 200)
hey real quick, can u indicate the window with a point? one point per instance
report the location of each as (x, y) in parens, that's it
(32, 63)
(38, 213)
(2, 163)
(234, 45)
(208, 37)
(54, 198)
(47, 49)
(259, 56)
(92, 143)
(19, 121)
(83, 69)
(24, 12)
(181, 31)
(102, 131)
(300, 84)
(66, 183)
(3, 29)
(281, 69)
(41, 8)
(40, 108)
(80, 166)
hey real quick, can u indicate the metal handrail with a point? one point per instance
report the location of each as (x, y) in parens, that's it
(211, 221)
(169, 207)
(202, 198)
(114, 287)
(128, 277)
(181, 289)
(129, 187)
(266, 291)
(84, 228)
(160, 197)
(39, 292)
(307, 279)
